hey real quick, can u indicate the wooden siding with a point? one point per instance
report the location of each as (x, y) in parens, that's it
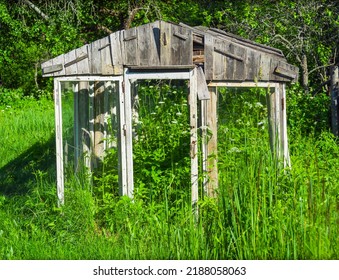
(225, 57)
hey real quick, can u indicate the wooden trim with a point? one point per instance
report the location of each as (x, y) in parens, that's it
(58, 140)
(180, 36)
(234, 56)
(52, 69)
(243, 84)
(184, 75)
(212, 144)
(285, 73)
(162, 67)
(129, 38)
(91, 78)
(128, 136)
(78, 59)
(194, 138)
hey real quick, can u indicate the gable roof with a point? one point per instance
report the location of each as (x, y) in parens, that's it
(163, 45)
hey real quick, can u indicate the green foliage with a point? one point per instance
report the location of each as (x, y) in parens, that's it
(161, 146)
(307, 114)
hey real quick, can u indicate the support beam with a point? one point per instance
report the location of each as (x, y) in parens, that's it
(283, 126)
(212, 144)
(99, 123)
(204, 141)
(91, 117)
(58, 140)
(83, 119)
(276, 101)
(193, 98)
(128, 188)
(76, 127)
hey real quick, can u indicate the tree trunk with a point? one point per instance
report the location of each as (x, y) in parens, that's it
(304, 69)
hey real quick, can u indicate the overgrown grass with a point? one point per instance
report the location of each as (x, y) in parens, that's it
(262, 211)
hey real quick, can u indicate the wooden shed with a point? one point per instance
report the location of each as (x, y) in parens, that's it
(208, 58)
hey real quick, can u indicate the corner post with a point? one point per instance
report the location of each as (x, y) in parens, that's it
(58, 140)
(193, 98)
(212, 144)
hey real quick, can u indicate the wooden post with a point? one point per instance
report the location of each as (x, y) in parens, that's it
(334, 100)
(274, 120)
(83, 127)
(99, 122)
(212, 145)
(204, 141)
(128, 188)
(58, 140)
(76, 128)
(91, 116)
(283, 126)
(276, 102)
(194, 136)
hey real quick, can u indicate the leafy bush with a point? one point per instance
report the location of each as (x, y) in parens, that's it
(307, 114)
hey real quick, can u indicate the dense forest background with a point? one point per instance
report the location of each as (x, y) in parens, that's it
(307, 31)
(261, 211)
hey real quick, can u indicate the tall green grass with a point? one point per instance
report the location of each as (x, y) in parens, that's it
(261, 212)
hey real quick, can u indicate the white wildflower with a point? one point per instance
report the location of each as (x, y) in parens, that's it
(234, 150)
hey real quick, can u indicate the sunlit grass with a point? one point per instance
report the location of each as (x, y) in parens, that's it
(261, 212)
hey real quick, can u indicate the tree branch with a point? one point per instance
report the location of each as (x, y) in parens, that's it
(104, 28)
(35, 8)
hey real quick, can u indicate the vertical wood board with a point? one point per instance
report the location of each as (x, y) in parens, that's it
(71, 69)
(212, 144)
(83, 65)
(149, 44)
(209, 57)
(181, 46)
(106, 57)
(130, 46)
(58, 140)
(96, 66)
(165, 43)
(194, 136)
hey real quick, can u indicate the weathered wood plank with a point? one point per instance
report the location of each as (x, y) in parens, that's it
(106, 57)
(96, 66)
(123, 173)
(58, 140)
(130, 46)
(99, 122)
(91, 120)
(76, 127)
(128, 136)
(83, 119)
(283, 126)
(149, 44)
(181, 50)
(51, 69)
(70, 68)
(212, 144)
(284, 72)
(265, 67)
(203, 93)
(240, 67)
(116, 51)
(204, 140)
(253, 59)
(194, 137)
(209, 57)
(165, 43)
(220, 62)
(82, 60)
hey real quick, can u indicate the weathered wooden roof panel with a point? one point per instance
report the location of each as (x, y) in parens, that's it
(223, 56)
